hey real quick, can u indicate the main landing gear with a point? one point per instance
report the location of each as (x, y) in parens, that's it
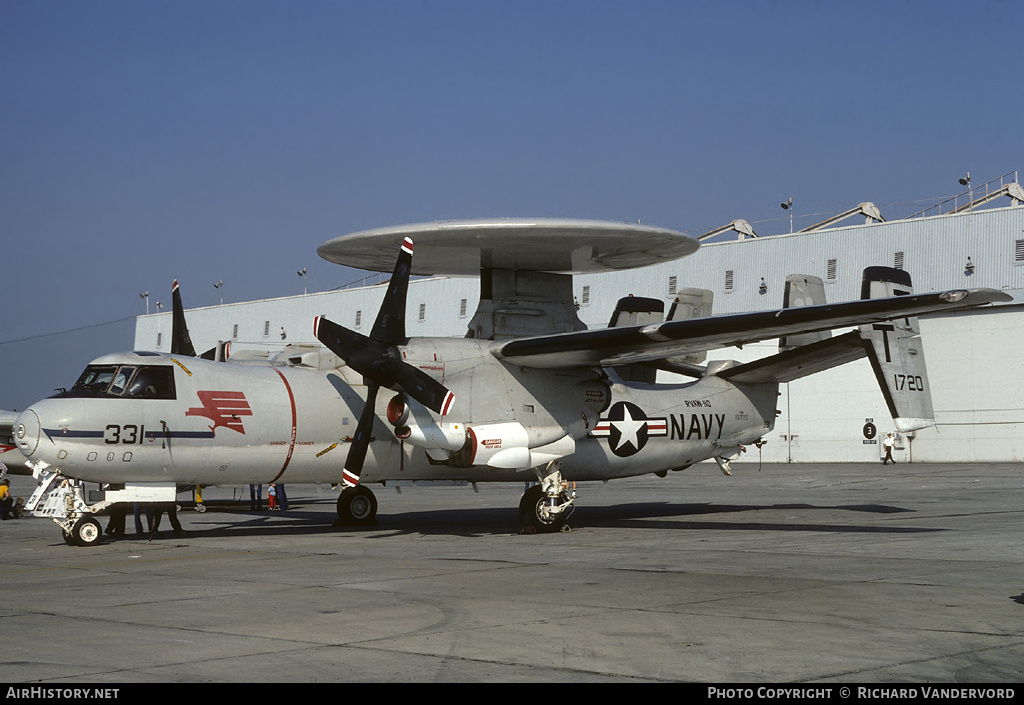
(356, 507)
(546, 506)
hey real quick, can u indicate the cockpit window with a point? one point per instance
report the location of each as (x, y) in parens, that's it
(121, 377)
(126, 382)
(152, 382)
(96, 378)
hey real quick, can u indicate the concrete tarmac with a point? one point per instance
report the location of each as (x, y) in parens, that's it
(785, 573)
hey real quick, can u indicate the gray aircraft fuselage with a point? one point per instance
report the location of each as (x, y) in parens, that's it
(290, 421)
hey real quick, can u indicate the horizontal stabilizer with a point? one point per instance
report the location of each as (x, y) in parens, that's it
(794, 363)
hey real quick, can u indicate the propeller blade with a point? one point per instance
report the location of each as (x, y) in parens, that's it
(374, 361)
(418, 385)
(361, 440)
(181, 343)
(390, 324)
(378, 360)
(345, 343)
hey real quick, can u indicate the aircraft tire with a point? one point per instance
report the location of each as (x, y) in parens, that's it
(533, 518)
(357, 506)
(87, 532)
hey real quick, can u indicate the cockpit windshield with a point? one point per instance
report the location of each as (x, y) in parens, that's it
(125, 381)
(96, 378)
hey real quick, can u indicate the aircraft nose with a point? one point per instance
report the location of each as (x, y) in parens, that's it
(26, 432)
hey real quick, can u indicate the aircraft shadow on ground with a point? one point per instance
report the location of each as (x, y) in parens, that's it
(468, 522)
(677, 516)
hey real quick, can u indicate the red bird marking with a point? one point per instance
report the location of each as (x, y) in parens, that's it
(223, 408)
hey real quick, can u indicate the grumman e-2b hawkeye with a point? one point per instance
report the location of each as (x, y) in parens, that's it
(529, 394)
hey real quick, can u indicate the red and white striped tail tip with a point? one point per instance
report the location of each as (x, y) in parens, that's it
(350, 479)
(316, 326)
(174, 285)
(407, 245)
(446, 405)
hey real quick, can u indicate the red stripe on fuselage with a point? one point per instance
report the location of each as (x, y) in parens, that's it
(291, 444)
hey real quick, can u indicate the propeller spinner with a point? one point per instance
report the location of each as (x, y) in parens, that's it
(377, 358)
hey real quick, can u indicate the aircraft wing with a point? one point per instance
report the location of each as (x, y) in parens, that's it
(631, 344)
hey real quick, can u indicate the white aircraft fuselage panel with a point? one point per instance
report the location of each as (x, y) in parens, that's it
(231, 423)
(225, 422)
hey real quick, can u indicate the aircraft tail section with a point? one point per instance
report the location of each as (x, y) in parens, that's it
(802, 354)
(795, 363)
(803, 290)
(893, 347)
(688, 304)
(896, 354)
(633, 311)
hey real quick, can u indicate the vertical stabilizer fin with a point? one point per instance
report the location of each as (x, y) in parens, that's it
(896, 354)
(803, 290)
(637, 311)
(690, 303)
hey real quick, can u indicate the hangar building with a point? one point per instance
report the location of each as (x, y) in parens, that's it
(975, 368)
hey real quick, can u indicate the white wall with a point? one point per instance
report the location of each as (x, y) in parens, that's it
(973, 359)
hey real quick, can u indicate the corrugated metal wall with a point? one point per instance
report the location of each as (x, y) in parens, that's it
(934, 250)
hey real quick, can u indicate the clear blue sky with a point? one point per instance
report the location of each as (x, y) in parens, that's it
(142, 142)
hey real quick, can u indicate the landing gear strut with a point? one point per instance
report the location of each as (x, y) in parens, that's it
(356, 506)
(62, 499)
(545, 507)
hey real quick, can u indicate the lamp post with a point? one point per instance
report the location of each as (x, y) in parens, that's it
(788, 206)
(966, 181)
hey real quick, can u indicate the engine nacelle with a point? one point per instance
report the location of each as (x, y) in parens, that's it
(414, 424)
(499, 445)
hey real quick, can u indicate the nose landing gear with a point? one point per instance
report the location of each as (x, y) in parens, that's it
(84, 532)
